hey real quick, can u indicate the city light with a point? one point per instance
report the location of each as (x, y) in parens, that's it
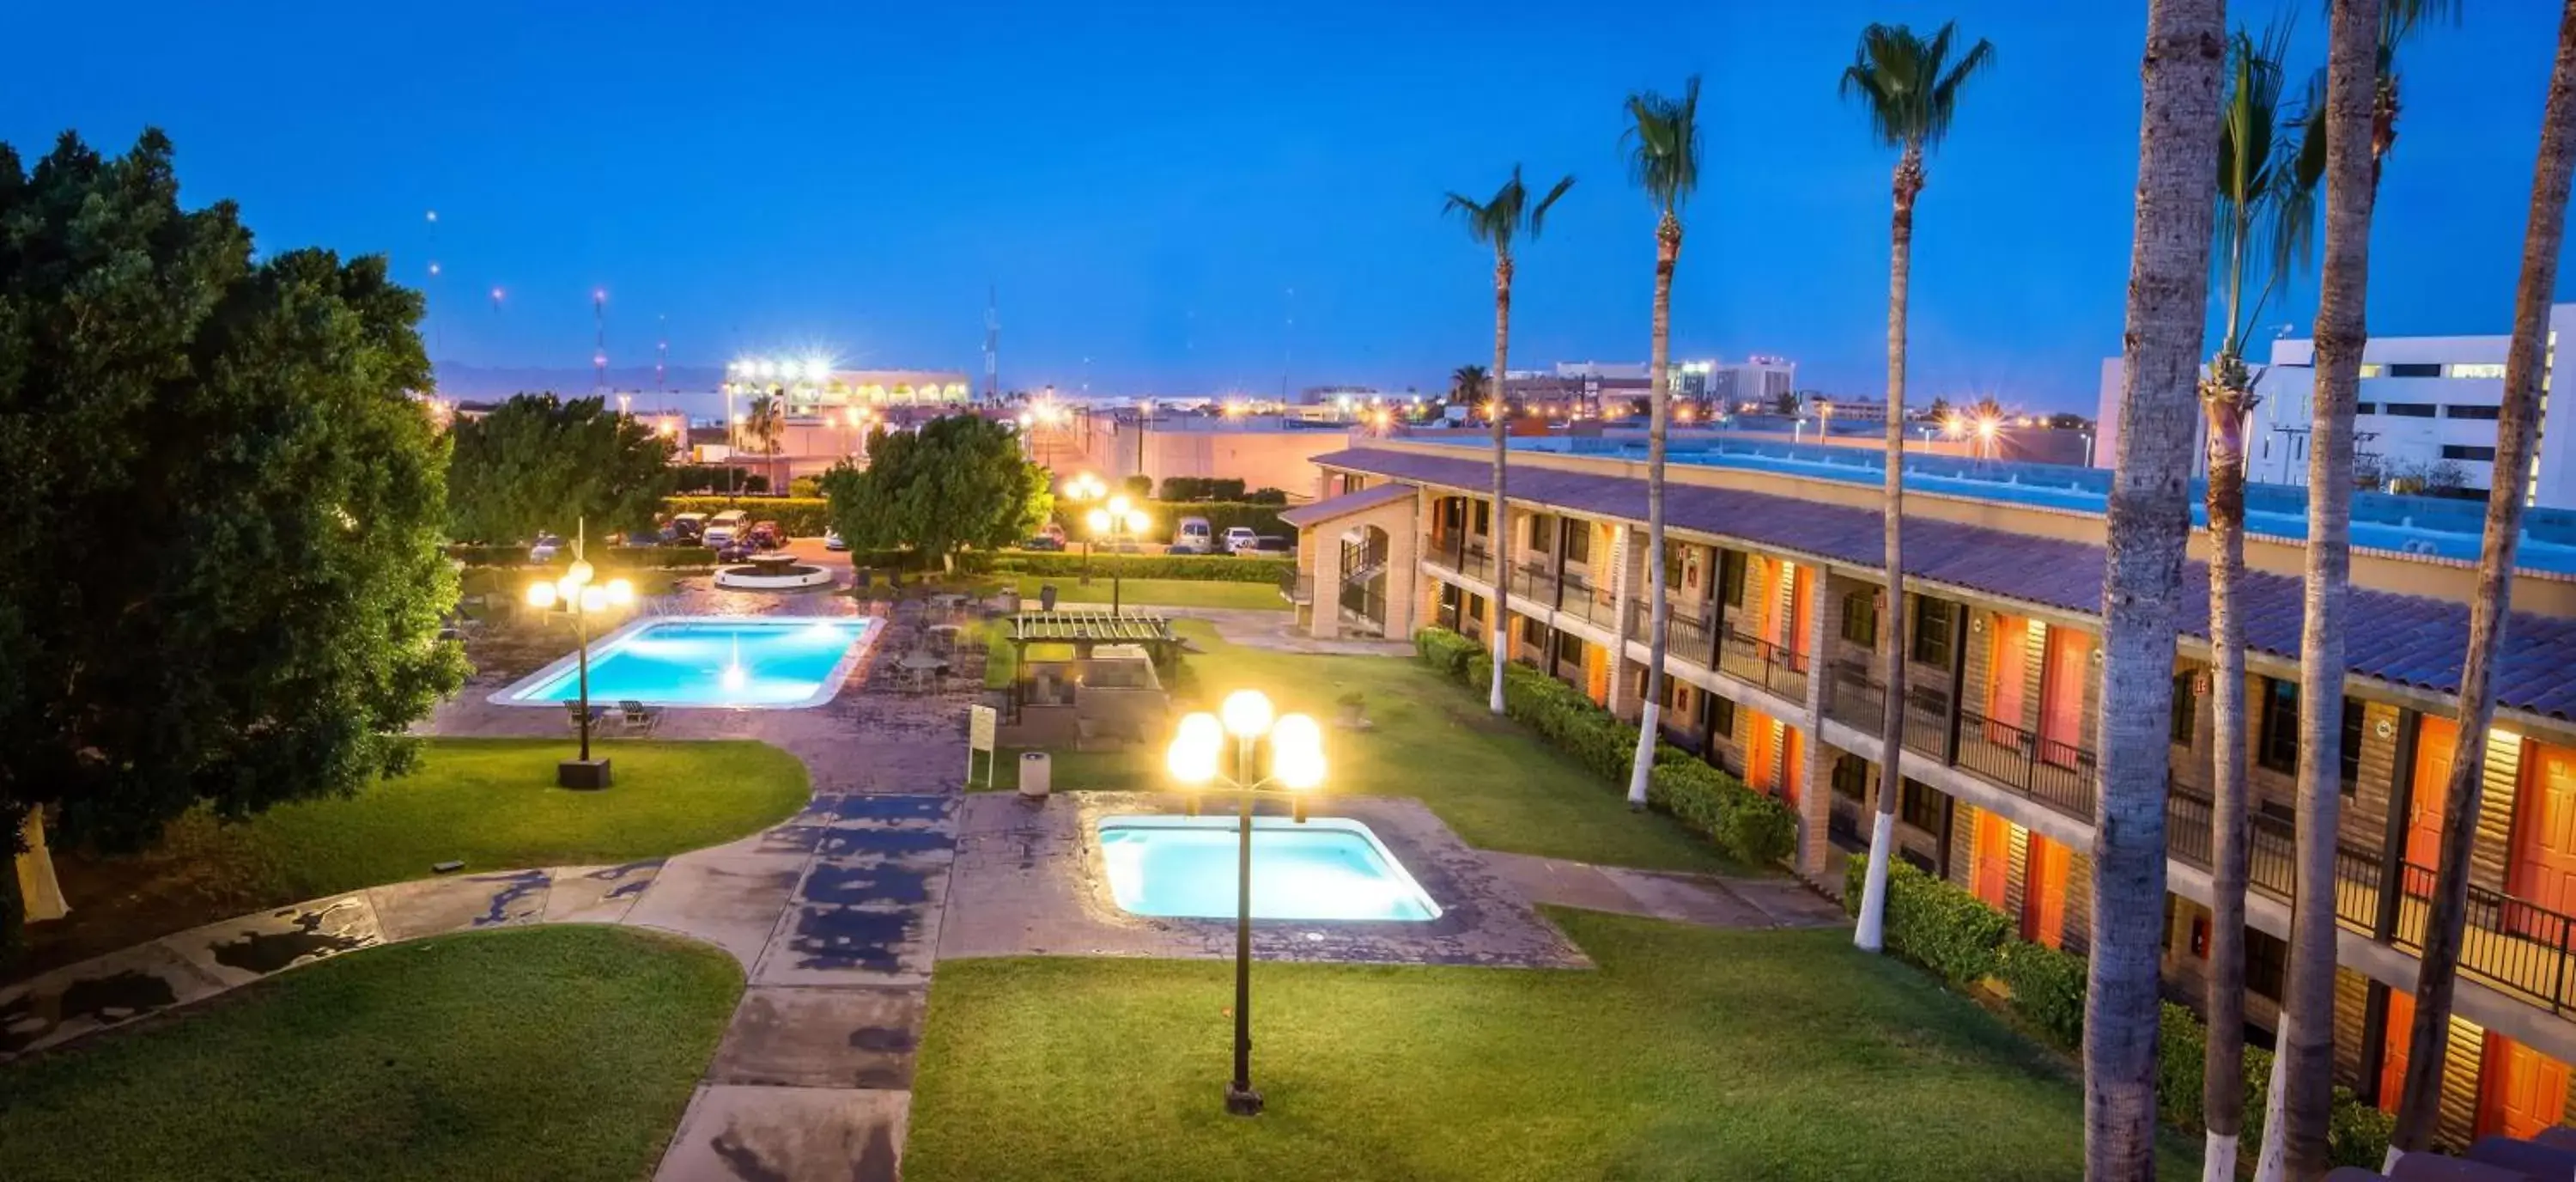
(817, 369)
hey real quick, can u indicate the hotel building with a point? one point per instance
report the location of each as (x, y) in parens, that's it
(1774, 571)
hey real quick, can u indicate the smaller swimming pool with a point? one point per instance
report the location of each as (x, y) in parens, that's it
(757, 662)
(1327, 868)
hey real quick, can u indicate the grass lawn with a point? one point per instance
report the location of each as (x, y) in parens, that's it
(557, 1052)
(1494, 783)
(1690, 1054)
(1164, 592)
(490, 802)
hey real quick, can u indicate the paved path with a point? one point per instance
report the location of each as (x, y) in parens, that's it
(1704, 899)
(1276, 631)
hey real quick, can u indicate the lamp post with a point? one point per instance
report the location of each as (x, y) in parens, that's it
(1297, 769)
(1119, 521)
(1083, 489)
(581, 598)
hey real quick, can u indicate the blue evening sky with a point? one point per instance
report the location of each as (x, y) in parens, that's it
(1148, 184)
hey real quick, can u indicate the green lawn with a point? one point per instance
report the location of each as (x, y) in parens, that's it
(557, 1052)
(1499, 787)
(1690, 1054)
(489, 802)
(1162, 592)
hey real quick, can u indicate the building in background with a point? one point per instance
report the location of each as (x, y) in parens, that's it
(2426, 419)
(1754, 383)
(1594, 389)
(813, 387)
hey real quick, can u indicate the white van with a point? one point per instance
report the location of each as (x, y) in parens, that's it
(724, 527)
(1192, 536)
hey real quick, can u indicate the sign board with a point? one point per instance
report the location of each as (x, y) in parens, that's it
(980, 721)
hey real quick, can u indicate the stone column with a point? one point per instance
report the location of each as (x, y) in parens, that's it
(1327, 545)
(1815, 795)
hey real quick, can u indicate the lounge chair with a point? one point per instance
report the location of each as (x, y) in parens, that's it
(636, 716)
(572, 714)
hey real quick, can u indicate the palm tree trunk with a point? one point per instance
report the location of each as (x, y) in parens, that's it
(2294, 1132)
(1869, 933)
(1668, 251)
(2222, 1100)
(2419, 1105)
(1501, 524)
(2148, 523)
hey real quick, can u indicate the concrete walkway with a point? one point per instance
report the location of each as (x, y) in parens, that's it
(1707, 900)
(1276, 631)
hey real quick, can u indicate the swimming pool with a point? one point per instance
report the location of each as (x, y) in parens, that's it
(1327, 868)
(768, 662)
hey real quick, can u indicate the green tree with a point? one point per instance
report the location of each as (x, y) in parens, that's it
(2419, 1105)
(2147, 525)
(1785, 403)
(2269, 162)
(1663, 159)
(1909, 88)
(538, 462)
(1467, 386)
(1495, 223)
(1939, 410)
(260, 503)
(766, 424)
(960, 481)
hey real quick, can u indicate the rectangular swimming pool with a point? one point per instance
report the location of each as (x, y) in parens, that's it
(756, 662)
(1327, 868)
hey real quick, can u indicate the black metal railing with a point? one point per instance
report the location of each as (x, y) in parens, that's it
(1856, 699)
(2059, 775)
(2512, 943)
(1584, 601)
(1296, 587)
(1461, 552)
(1756, 661)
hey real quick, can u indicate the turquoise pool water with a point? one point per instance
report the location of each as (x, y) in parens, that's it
(772, 661)
(1327, 868)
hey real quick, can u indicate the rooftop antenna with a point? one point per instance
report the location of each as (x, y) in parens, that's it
(599, 340)
(992, 345)
(437, 326)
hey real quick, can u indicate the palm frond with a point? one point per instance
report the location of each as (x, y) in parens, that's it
(1663, 144)
(1538, 212)
(1498, 220)
(1908, 86)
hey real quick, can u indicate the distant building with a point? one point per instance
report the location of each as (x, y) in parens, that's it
(1595, 388)
(1756, 380)
(812, 387)
(2426, 419)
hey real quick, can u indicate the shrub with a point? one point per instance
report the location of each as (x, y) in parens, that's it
(801, 517)
(716, 478)
(1208, 568)
(1266, 496)
(1934, 924)
(1202, 488)
(1447, 652)
(2047, 989)
(1139, 486)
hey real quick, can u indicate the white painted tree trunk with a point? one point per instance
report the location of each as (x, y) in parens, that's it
(1870, 933)
(2218, 1158)
(2274, 1162)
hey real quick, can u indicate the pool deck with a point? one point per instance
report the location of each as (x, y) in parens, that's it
(1030, 880)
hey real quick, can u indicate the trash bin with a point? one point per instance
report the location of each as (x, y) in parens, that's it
(1046, 597)
(1035, 772)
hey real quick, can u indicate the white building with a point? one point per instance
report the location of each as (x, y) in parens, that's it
(2427, 412)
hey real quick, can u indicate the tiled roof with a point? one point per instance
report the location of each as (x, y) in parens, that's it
(1347, 504)
(2403, 639)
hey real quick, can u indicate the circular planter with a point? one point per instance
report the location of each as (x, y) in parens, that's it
(770, 576)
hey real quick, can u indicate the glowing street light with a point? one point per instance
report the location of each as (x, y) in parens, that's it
(1120, 521)
(1196, 761)
(581, 598)
(1083, 489)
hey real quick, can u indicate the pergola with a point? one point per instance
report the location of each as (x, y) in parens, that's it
(1086, 630)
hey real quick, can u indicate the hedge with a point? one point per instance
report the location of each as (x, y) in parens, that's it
(605, 557)
(801, 517)
(1165, 514)
(1202, 488)
(1748, 825)
(1947, 930)
(1203, 568)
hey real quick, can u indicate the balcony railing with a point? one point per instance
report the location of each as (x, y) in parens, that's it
(1463, 553)
(2056, 774)
(1295, 587)
(1756, 661)
(2514, 944)
(1856, 699)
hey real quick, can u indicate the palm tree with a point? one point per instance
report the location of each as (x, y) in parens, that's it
(2294, 1130)
(1910, 90)
(1663, 158)
(2398, 19)
(766, 422)
(2419, 1104)
(2148, 521)
(1467, 386)
(1494, 223)
(2266, 197)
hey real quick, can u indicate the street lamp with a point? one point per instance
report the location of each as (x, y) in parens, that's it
(1297, 769)
(581, 599)
(1083, 490)
(1120, 521)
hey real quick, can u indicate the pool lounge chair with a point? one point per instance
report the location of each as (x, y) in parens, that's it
(572, 715)
(637, 717)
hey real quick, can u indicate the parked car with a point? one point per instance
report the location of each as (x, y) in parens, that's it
(767, 535)
(1190, 535)
(736, 550)
(832, 540)
(725, 527)
(686, 528)
(545, 548)
(1267, 546)
(1044, 542)
(1237, 537)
